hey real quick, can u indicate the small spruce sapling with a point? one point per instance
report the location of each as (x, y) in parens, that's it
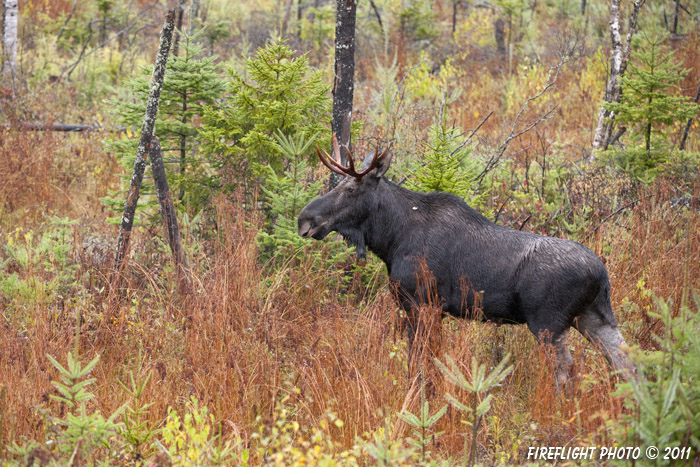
(277, 92)
(664, 400)
(191, 83)
(83, 432)
(423, 422)
(480, 384)
(447, 166)
(285, 195)
(137, 432)
(651, 103)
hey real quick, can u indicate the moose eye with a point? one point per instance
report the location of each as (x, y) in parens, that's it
(351, 190)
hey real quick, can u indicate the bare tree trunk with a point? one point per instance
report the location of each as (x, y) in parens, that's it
(285, 18)
(65, 23)
(500, 36)
(376, 13)
(167, 211)
(147, 128)
(617, 135)
(343, 85)
(183, 148)
(687, 125)
(103, 27)
(619, 56)
(37, 126)
(180, 15)
(454, 15)
(300, 15)
(9, 37)
(677, 11)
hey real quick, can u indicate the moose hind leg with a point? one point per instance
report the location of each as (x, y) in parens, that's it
(606, 336)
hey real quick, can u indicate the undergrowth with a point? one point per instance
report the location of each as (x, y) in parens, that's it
(291, 352)
(277, 367)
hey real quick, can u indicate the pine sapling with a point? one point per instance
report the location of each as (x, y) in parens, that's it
(137, 432)
(481, 383)
(423, 422)
(83, 432)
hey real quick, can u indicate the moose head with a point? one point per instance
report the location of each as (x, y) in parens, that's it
(345, 208)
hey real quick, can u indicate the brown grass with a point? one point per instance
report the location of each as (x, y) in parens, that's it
(242, 342)
(43, 172)
(247, 338)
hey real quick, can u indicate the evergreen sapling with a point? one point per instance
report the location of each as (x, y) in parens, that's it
(651, 103)
(191, 82)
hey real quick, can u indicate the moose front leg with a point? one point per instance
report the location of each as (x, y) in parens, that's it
(403, 290)
(563, 362)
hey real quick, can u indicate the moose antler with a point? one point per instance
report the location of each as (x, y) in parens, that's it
(335, 166)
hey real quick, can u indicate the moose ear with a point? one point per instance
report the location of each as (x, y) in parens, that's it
(382, 164)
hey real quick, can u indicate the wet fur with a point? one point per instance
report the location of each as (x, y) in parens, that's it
(548, 283)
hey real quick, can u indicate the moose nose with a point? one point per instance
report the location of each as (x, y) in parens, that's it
(304, 228)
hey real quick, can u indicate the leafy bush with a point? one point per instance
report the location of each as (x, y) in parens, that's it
(643, 166)
(285, 442)
(189, 441)
(38, 265)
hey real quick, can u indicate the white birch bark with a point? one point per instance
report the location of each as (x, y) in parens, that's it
(619, 56)
(9, 37)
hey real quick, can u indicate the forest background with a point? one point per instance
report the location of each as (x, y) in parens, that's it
(281, 351)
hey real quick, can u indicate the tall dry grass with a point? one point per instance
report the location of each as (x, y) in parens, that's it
(243, 341)
(44, 172)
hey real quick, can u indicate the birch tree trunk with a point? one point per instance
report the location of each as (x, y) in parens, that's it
(343, 85)
(619, 56)
(9, 38)
(147, 128)
(167, 211)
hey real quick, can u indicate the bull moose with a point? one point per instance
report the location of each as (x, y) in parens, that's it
(551, 284)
